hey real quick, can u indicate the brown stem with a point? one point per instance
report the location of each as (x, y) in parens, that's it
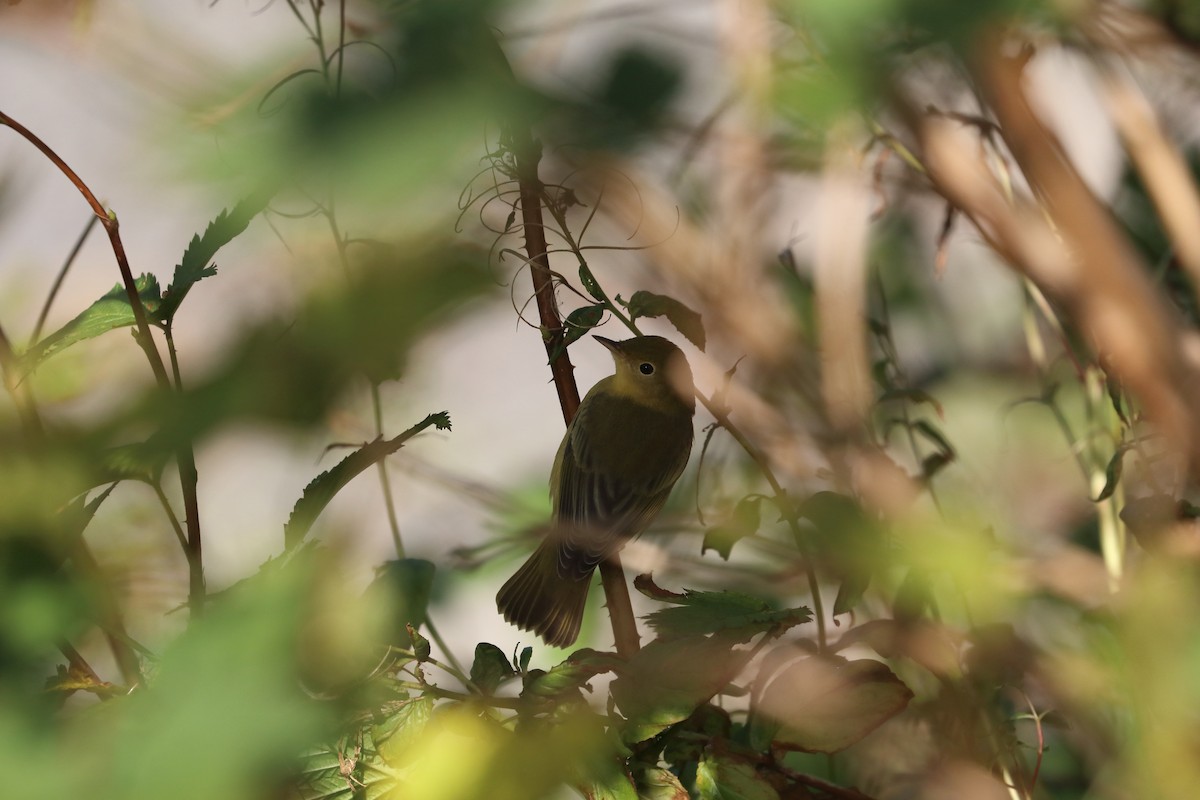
(186, 460)
(528, 154)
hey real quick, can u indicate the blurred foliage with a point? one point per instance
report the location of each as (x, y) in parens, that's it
(896, 611)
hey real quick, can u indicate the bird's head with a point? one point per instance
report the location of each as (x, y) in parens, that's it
(652, 371)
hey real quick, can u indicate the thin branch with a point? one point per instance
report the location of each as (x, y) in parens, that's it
(58, 280)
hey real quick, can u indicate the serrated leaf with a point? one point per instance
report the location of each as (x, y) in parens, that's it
(490, 668)
(668, 679)
(826, 704)
(744, 522)
(398, 732)
(739, 615)
(325, 486)
(578, 322)
(110, 312)
(195, 264)
(685, 320)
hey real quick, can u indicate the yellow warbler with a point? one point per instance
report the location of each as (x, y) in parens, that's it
(621, 454)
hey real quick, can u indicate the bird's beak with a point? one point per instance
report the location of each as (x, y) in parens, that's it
(613, 347)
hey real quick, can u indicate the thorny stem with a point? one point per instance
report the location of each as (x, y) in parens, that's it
(185, 459)
(528, 155)
(781, 497)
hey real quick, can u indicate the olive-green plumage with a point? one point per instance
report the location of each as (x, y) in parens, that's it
(618, 460)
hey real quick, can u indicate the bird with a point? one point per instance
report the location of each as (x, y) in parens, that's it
(620, 456)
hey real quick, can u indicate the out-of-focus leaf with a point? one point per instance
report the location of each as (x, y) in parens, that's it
(110, 312)
(931, 432)
(1112, 473)
(685, 320)
(744, 522)
(687, 742)
(226, 712)
(729, 777)
(195, 264)
(828, 704)
(490, 668)
(739, 615)
(668, 679)
(403, 586)
(926, 643)
(914, 597)
(325, 486)
(913, 396)
(848, 540)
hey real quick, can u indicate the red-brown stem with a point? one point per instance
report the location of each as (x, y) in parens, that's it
(188, 478)
(528, 155)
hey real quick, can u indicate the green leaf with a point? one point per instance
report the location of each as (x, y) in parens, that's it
(578, 322)
(404, 587)
(325, 486)
(397, 733)
(200, 251)
(110, 312)
(658, 783)
(744, 522)
(729, 777)
(685, 320)
(732, 613)
(590, 284)
(569, 675)
(668, 679)
(827, 704)
(491, 667)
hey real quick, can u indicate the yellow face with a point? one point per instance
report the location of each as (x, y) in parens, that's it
(652, 371)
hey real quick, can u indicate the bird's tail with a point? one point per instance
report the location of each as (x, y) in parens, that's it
(537, 598)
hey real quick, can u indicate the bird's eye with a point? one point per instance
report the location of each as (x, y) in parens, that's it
(646, 368)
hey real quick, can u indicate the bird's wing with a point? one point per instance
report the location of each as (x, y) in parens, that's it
(608, 493)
